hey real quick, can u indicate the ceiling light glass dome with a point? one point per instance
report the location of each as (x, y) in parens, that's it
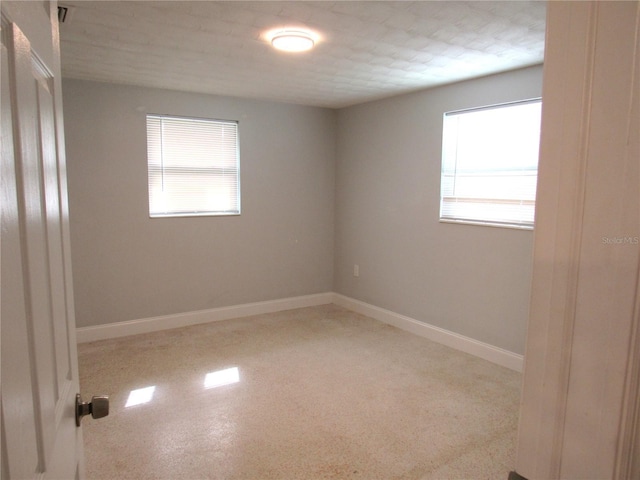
(292, 41)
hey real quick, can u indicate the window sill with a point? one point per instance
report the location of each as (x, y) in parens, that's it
(203, 214)
(479, 223)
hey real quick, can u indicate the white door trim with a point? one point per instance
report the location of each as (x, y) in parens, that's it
(580, 389)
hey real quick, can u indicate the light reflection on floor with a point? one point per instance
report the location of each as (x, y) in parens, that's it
(140, 396)
(222, 377)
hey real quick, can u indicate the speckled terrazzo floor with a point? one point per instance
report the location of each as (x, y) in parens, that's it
(321, 393)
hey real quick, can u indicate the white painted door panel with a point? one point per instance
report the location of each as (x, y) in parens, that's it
(581, 392)
(39, 358)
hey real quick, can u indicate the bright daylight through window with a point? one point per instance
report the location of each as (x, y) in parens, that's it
(194, 166)
(490, 165)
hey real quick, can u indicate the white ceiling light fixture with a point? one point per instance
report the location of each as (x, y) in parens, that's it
(293, 40)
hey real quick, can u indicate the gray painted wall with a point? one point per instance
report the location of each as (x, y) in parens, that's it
(322, 190)
(128, 266)
(472, 280)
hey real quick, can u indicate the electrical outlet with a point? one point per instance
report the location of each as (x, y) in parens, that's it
(356, 270)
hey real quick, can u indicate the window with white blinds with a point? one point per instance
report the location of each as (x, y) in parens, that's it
(193, 165)
(490, 165)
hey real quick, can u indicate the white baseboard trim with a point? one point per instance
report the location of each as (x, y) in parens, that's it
(153, 324)
(479, 349)
(165, 322)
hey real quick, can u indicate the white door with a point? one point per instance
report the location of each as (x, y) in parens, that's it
(39, 359)
(580, 410)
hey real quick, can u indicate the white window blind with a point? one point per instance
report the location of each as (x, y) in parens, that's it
(490, 165)
(193, 165)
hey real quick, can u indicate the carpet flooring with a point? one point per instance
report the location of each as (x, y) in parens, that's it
(312, 393)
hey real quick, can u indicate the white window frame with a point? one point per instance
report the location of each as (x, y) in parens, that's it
(193, 166)
(479, 183)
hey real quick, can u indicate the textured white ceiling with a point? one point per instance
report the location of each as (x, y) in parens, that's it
(368, 50)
